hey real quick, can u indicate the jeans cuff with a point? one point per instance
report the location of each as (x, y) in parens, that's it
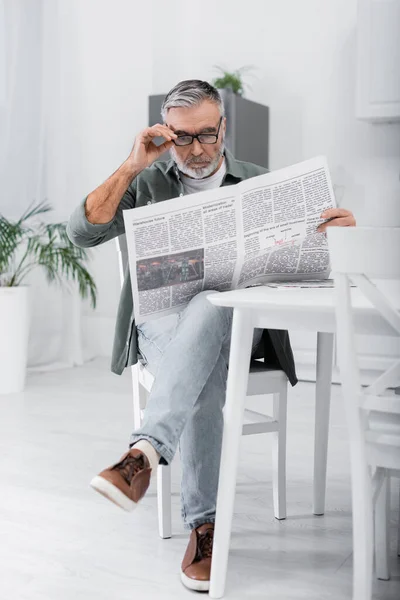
(198, 522)
(165, 453)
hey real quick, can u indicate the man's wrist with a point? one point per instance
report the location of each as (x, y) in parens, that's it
(131, 169)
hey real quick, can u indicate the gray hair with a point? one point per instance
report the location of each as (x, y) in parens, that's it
(191, 92)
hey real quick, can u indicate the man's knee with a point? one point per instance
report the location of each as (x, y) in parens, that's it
(201, 302)
(202, 298)
(201, 308)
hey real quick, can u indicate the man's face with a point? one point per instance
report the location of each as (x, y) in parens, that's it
(197, 160)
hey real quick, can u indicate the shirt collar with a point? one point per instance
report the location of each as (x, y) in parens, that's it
(232, 167)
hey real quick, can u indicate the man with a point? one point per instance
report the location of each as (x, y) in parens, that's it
(188, 352)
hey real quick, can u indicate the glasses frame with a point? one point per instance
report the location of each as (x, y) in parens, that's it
(198, 135)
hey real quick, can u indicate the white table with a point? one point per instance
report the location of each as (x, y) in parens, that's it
(273, 308)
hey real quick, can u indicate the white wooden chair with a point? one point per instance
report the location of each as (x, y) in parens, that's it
(360, 255)
(262, 381)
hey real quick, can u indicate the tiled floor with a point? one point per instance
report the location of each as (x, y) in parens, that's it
(60, 540)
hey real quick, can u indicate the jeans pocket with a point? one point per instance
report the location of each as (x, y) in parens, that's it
(142, 353)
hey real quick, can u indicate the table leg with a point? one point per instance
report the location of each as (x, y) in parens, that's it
(238, 374)
(322, 408)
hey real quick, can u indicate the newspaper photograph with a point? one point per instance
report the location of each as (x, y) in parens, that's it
(258, 231)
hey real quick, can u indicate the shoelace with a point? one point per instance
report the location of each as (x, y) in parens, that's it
(130, 466)
(205, 544)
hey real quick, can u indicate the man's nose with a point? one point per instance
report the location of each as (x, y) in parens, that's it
(196, 148)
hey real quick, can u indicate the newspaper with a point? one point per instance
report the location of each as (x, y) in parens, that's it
(260, 230)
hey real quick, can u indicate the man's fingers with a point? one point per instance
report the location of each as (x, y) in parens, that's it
(165, 131)
(158, 131)
(335, 212)
(339, 217)
(339, 222)
(149, 134)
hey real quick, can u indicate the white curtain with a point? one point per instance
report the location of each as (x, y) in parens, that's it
(37, 158)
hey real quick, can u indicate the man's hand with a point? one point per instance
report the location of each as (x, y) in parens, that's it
(338, 217)
(145, 151)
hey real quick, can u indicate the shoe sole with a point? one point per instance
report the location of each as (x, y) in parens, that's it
(195, 584)
(111, 492)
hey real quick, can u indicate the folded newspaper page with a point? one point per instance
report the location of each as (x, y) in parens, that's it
(261, 230)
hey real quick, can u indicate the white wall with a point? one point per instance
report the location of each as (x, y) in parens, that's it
(304, 54)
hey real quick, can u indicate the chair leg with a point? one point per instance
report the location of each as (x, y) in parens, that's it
(382, 531)
(398, 528)
(279, 454)
(362, 512)
(164, 500)
(139, 397)
(322, 409)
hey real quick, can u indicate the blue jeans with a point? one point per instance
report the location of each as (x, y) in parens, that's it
(188, 354)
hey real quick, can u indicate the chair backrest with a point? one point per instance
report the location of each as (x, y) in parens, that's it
(122, 249)
(142, 380)
(373, 251)
(360, 255)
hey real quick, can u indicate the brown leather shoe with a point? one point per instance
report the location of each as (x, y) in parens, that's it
(126, 482)
(196, 564)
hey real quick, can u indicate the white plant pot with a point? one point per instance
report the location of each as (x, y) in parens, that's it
(14, 333)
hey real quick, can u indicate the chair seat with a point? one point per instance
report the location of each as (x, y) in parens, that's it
(257, 365)
(264, 379)
(380, 403)
(383, 438)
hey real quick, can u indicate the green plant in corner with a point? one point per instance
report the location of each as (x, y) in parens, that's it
(47, 246)
(231, 80)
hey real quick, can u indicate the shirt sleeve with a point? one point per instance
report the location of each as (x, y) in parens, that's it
(84, 234)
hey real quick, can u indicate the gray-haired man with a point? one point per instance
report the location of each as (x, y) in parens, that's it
(188, 352)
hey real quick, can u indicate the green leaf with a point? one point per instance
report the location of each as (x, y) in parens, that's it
(39, 209)
(47, 246)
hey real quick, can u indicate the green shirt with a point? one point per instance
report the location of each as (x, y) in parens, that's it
(161, 181)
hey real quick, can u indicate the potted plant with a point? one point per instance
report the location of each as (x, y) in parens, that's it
(247, 132)
(42, 245)
(231, 80)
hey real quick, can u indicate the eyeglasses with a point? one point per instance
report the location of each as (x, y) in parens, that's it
(203, 138)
